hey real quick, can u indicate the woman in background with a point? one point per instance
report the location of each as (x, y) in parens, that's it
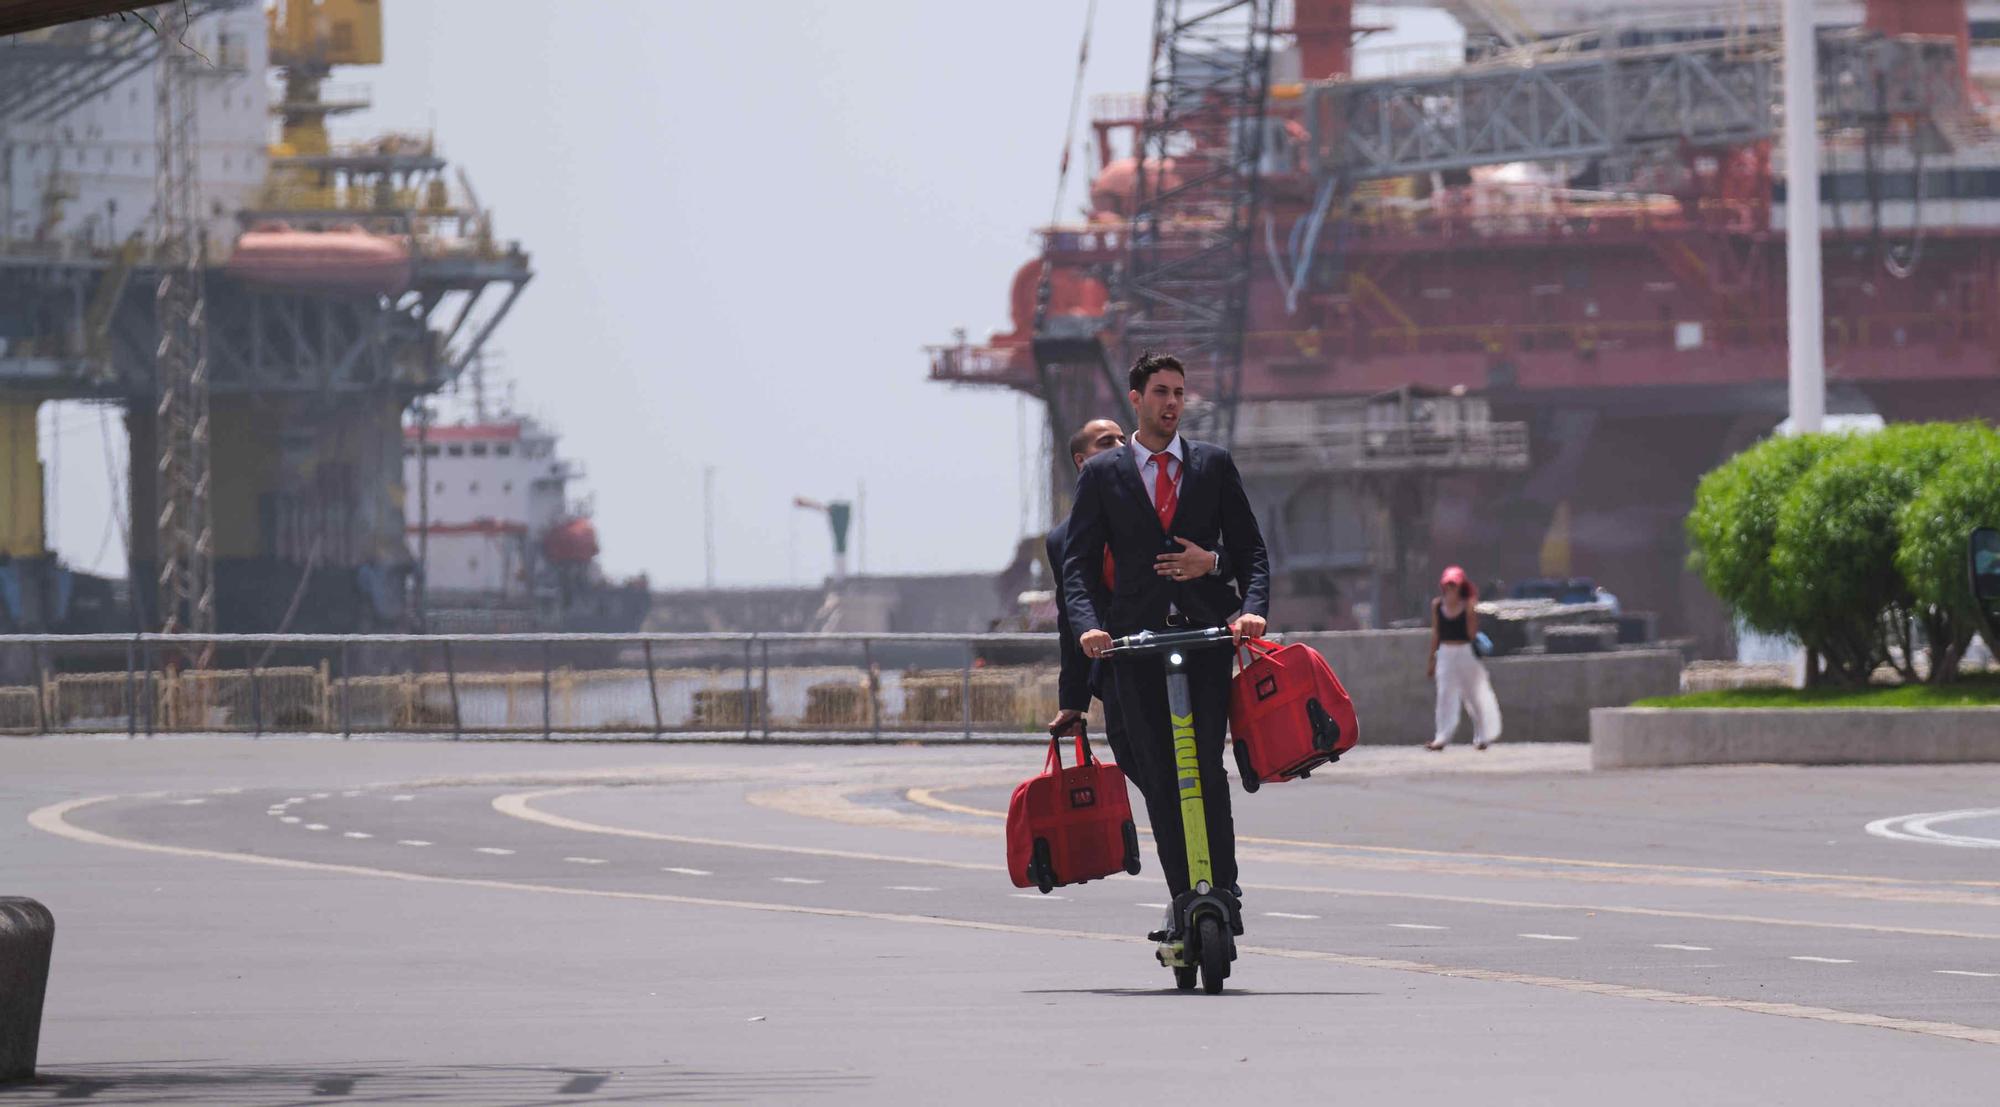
(1455, 666)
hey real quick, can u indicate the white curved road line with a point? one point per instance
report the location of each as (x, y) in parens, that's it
(53, 820)
(1919, 828)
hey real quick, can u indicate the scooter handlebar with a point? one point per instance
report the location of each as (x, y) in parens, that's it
(1149, 641)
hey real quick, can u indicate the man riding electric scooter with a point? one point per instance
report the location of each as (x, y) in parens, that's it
(1139, 507)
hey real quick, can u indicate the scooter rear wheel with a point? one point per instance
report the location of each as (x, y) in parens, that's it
(1184, 979)
(1214, 954)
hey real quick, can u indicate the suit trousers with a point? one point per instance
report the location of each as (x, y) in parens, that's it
(1140, 684)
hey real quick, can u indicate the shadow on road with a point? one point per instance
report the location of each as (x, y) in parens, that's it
(203, 1082)
(1175, 992)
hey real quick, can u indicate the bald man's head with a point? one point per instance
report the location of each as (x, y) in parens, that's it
(1094, 437)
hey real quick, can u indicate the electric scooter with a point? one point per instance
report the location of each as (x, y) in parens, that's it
(1206, 919)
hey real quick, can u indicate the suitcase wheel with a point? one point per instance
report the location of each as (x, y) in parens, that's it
(1244, 772)
(1041, 869)
(1326, 732)
(1131, 848)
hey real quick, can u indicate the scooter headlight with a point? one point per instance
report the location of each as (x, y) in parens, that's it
(1173, 659)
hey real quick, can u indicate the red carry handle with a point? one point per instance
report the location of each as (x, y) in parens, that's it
(1252, 646)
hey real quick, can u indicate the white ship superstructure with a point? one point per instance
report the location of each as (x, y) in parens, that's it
(492, 492)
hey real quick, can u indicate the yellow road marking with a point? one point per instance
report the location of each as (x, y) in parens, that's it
(520, 805)
(53, 820)
(928, 797)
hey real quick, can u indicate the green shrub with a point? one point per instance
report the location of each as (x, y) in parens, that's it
(1852, 544)
(1932, 529)
(1735, 522)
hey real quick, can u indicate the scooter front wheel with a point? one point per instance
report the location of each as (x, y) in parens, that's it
(1214, 954)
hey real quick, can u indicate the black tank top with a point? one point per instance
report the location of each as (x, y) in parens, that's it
(1450, 628)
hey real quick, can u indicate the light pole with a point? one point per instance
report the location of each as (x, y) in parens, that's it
(1806, 312)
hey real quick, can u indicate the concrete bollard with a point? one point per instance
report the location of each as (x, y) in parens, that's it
(27, 935)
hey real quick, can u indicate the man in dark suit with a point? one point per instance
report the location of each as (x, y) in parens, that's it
(1161, 503)
(1081, 677)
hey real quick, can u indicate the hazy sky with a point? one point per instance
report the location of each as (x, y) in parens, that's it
(746, 220)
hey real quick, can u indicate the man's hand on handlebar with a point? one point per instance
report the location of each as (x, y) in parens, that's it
(1247, 626)
(1094, 642)
(1066, 722)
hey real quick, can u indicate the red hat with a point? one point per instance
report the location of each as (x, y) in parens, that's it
(1455, 575)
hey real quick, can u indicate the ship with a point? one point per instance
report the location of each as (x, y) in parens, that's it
(1503, 305)
(501, 544)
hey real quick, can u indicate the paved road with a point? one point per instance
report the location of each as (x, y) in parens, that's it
(269, 922)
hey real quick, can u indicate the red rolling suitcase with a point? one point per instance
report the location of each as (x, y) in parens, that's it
(1288, 714)
(1071, 823)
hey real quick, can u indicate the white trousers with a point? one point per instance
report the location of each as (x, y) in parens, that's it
(1462, 683)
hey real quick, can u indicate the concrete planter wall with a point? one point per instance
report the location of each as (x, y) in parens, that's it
(1651, 737)
(1543, 698)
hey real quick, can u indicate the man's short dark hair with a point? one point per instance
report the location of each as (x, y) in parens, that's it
(1081, 439)
(1150, 363)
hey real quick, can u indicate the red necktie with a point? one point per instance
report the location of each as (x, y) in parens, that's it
(1165, 497)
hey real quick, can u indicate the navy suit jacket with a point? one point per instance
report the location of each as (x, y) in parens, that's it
(1113, 510)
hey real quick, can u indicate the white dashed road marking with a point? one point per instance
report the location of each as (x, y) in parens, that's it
(1154, 906)
(315, 826)
(1418, 926)
(412, 842)
(1965, 972)
(350, 795)
(291, 820)
(296, 799)
(1690, 949)
(1825, 960)
(1286, 915)
(1036, 895)
(320, 795)
(585, 860)
(1549, 937)
(358, 834)
(686, 872)
(496, 851)
(796, 880)
(911, 888)
(191, 802)
(402, 799)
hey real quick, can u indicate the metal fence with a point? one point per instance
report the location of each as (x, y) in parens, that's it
(734, 686)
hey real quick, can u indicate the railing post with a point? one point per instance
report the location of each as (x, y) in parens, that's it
(764, 695)
(256, 699)
(451, 683)
(152, 689)
(748, 716)
(965, 688)
(132, 688)
(547, 723)
(872, 685)
(653, 688)
(41, 688)
(346, 694)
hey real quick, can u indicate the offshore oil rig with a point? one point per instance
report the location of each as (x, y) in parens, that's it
(1504, 303)
(262, 314)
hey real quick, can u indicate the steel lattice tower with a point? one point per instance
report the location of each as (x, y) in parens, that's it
(186, 540)
(1187, 274)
